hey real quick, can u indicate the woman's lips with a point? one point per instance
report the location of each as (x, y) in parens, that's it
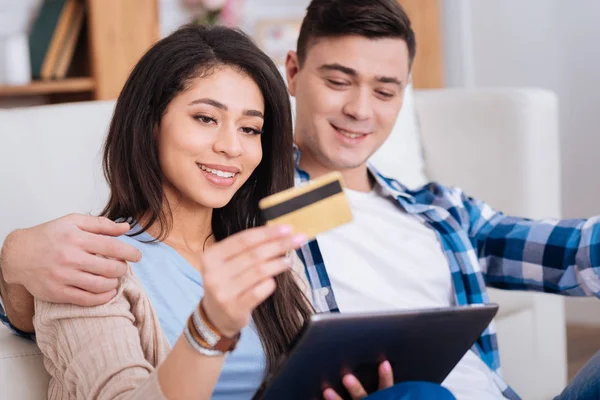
(221, 176)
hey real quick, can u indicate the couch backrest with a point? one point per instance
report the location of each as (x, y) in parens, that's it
(51, 166)
(51, 160)
(401, 156)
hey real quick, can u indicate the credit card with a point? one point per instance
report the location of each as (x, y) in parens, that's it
(313, 208)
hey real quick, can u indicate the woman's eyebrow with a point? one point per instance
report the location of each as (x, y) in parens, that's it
(218, 104)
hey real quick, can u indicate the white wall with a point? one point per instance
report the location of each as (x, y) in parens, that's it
(551, 44)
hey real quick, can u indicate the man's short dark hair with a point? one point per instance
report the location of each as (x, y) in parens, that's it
(369, 18)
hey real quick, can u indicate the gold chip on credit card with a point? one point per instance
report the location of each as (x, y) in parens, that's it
(314, 208)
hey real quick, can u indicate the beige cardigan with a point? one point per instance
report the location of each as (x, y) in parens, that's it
(110, 351)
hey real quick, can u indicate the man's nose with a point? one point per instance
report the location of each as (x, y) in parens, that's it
(360, 104)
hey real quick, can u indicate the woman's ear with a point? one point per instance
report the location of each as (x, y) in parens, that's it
(291, 70)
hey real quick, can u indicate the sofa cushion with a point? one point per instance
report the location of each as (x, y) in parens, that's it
(22, 373)
(511, 302)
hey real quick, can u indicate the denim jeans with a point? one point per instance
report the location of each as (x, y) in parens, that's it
(413, 391)
(586, 384)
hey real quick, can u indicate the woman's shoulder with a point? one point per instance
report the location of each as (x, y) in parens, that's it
(131, 303)
(130, 296)
(153, 252)
(141, 241)
(121, 335)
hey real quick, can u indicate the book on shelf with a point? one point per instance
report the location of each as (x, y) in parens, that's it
(54, 36)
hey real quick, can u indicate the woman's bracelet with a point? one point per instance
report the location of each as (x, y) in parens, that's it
(202, 335)
(198, 347)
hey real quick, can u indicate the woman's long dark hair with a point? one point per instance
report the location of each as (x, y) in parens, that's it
(133, 172)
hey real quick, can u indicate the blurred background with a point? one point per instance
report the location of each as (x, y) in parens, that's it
(58, 51)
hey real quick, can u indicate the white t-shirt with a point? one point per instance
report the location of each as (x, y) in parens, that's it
(387, 259)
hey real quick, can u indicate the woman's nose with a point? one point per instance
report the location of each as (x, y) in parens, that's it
(228, 142)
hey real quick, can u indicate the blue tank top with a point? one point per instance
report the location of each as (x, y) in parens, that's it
(175, 288)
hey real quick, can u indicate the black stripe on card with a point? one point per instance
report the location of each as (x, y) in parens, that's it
(301, 201)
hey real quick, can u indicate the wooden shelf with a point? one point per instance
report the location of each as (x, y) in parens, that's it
(71, 85)
(115, 35)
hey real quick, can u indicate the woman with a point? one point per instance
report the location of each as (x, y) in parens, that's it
(201, 132)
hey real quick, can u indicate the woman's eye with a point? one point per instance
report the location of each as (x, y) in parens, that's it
(205, 120)
(251, 131)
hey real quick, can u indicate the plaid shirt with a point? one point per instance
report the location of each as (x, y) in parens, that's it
(484, 247)
(5, 321)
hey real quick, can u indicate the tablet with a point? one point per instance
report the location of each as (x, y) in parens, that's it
(421, 345)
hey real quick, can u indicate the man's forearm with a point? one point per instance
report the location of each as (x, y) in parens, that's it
(18, 302)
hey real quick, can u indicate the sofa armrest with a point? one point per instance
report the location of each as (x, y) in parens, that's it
(499, 145)
(532, 342)
(502, 146)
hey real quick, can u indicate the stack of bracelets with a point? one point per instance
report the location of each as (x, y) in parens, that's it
(202, 335)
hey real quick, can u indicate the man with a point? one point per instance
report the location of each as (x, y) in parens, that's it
(430, 247)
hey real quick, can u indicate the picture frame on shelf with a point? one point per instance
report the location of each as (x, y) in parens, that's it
(277, 36)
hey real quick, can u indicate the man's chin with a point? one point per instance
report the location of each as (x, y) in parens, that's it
(341, 164)
(340, 159)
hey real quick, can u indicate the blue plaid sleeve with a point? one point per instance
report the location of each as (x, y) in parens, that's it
(554, 256)
(6, 322)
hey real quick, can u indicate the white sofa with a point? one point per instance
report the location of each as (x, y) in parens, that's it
(499, 145)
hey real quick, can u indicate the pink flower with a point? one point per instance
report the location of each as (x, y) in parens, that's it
(214, 5)
(231, 12)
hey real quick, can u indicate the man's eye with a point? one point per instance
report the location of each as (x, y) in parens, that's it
(336, 83)
(387, 95)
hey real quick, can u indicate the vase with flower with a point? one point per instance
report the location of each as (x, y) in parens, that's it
(217, 12)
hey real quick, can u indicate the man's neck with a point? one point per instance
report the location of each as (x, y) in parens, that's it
(357, 179)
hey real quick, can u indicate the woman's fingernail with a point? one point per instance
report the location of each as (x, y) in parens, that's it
(329, 394)
(299, 239)
(285, 229)
(350, 380)
(386, 366)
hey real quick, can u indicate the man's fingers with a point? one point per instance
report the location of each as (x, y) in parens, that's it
(111, 248)
(98, 265)
(386, 375)
(82, 298)
(94, 284)
(248, 239)
(354, 387)
(100, 225)
(330, 394)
